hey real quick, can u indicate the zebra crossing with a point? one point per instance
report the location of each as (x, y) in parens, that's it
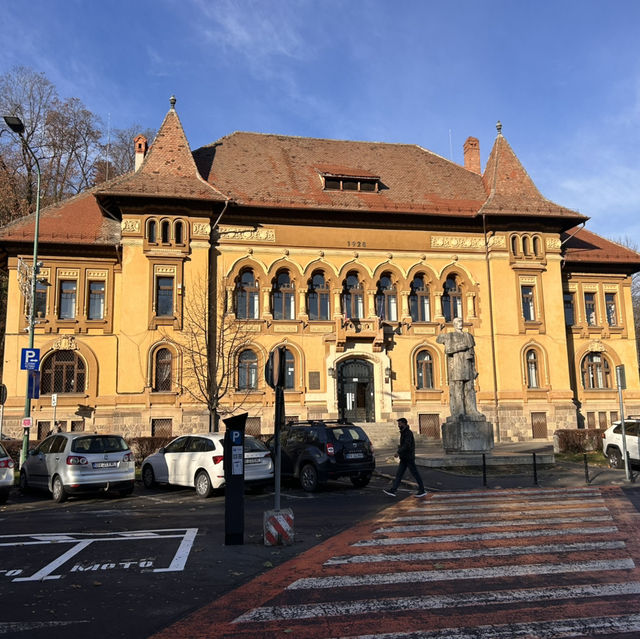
(479, 565)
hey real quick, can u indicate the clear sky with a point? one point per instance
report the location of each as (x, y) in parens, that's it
(563, 76)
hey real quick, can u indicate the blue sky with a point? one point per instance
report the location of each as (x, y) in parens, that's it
(563, 76)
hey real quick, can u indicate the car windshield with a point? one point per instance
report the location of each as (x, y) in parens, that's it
(99, 444)
(349, 434)
(251, 445)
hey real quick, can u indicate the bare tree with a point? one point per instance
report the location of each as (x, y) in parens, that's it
(208, 380)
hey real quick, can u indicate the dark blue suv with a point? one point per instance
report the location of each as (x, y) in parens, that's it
(315, 451)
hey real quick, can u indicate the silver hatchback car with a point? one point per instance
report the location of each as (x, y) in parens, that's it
(72, 463)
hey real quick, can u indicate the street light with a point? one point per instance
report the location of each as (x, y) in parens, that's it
(16, 125)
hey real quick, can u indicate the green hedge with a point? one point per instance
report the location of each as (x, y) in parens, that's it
(582, 440)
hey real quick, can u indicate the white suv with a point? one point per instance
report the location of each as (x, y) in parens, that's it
(612, 442)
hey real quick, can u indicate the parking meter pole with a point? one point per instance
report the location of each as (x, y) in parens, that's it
(279, 419)
(233, 463)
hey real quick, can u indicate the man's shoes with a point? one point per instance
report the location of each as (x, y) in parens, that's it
(421, 494)
(389, 492)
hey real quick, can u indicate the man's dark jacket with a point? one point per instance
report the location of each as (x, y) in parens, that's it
(407, 448)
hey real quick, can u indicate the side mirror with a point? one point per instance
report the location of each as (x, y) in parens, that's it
(32, 452)
(161, 450)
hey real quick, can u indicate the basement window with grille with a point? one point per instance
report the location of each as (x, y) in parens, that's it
(368, 184)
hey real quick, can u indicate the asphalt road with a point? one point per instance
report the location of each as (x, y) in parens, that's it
(128, 567)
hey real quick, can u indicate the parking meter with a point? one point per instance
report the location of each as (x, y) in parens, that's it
(233, 465)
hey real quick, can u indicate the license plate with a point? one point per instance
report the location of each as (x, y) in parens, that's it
(105, 464)
(252, 461)
(354, 455)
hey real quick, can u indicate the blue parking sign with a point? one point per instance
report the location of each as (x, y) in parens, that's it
(30, 360)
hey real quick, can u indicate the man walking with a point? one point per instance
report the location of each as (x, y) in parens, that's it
(407, 455)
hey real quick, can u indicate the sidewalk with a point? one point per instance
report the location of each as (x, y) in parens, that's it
(509, 465)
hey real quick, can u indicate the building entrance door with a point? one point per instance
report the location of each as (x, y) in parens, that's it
(355, 390)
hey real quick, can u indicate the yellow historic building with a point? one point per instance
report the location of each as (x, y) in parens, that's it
(353, 255)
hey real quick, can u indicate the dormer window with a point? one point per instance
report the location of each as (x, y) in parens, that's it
(369, 184)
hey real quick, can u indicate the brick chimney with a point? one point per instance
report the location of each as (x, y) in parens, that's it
(141, 146)
(472, 155)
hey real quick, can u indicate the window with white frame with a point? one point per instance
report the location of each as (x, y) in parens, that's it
(527, 294)
(67, 299)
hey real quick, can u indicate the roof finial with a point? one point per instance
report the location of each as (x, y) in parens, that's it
(172, 102)
(499, 127)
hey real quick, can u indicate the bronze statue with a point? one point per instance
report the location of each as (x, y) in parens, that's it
(461, 368)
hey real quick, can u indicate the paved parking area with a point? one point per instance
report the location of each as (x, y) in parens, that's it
(492, 564)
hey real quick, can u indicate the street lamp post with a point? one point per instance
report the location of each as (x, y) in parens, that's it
(16, 125)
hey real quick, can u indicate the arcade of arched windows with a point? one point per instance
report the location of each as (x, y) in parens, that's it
(166, 232)
(525, 246)
(321, 295)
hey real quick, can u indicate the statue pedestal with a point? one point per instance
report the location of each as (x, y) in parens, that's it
(467, 434)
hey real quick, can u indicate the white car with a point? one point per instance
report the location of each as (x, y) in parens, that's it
(196, 461)
(73, 463)
(612, 442)
(6, 474)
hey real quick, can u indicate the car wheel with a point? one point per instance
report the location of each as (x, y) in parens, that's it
(24, 483)
(148, 477)
(203, 484)
(309, 478)
(615, 458)
(361, 479)
(59, 493)
(4, 495)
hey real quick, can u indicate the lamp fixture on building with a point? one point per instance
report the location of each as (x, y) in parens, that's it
(16, 125)
(332, 372)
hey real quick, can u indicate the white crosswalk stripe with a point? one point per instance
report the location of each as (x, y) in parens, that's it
(471, 553)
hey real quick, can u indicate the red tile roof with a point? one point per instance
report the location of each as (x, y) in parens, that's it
(78, 220)
(168, 170)
(277, 171)
(582, 246)
(511, 190)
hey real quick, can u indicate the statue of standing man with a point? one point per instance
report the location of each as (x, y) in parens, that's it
(461, 369)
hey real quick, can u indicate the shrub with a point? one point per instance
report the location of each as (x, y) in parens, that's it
(143, 446)
(583, 440)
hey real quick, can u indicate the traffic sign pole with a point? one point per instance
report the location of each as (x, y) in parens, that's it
(3, 399)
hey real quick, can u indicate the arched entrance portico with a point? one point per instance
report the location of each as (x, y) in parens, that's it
(356, 390)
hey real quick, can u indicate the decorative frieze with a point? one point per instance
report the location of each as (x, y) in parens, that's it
(450, 241)
(249, 234)
(65, 343)
(201, 228)
(130, 226)
(553, 243)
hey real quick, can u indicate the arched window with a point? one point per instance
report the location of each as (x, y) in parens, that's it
(424, 370)
(164, 230)
(533, 377)
(63, 372)
(162, 370)
(318, 297)
(386, 299)
(283, 297)
(514, 245)
(525, 246)
(247, 306)
(178, 232)
(289, 370)
(451, 299)
(596, 371)
(536, 246)
(247, 370)
(151, 231)
(353, 297)
(419, 305)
